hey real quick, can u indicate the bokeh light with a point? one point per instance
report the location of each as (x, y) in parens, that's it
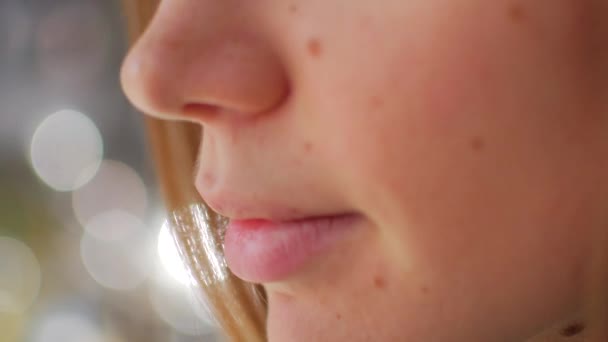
(66, 150)
(76, 211)
(67, 326)
(170, 258)
(19, 276)
(119, 264)
(115, 187)
(114, 225)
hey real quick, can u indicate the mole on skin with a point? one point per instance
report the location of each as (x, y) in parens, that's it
(314, 47)
(516, 13)
(573, 330)
(424, 289)
(376, 102)
(477, 144)
(379, 282)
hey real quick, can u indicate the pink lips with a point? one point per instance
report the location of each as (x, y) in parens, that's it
(262, 251)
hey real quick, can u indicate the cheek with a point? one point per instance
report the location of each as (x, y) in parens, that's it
(465, 160)
(457, 105)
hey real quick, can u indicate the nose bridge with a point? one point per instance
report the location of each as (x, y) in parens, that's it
(178, 24)
(200, 56)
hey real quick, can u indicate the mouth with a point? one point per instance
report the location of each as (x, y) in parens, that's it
(264, 251)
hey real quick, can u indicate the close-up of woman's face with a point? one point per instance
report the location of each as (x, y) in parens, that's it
(395, 170)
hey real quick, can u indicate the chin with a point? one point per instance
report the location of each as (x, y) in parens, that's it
(293, 321)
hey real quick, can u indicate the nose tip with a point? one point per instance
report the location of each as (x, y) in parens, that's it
(145, 87)
(197, 77)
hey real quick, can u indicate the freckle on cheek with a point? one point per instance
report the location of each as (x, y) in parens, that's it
(338, 316)
(293, 8)
(376, 102)
(424, 289)
(477, 144)
(308, 147)
(516, 13)
(314, 47)
(379, 282)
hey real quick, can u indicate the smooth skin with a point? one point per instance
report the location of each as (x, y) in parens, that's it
(470, 136)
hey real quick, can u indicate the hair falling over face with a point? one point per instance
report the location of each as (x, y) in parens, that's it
(237, 307)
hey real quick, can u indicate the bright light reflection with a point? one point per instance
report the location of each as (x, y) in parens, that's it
(19, 276)
(67, 327)
(119, 265)
(178, 308)
(66, 150)
(116, 187)
(170, 257)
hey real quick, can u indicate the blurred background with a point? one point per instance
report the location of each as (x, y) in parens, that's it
(83, 252)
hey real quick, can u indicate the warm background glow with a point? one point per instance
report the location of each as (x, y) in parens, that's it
(85, 255)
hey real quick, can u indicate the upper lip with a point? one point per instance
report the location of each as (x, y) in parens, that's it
(249, 205)
(261, 209)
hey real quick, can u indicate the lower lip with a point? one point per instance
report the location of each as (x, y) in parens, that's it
(262, 251)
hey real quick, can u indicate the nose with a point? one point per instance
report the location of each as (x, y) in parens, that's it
(193, 67)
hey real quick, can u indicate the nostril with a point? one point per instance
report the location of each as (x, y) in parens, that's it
(194, 110)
